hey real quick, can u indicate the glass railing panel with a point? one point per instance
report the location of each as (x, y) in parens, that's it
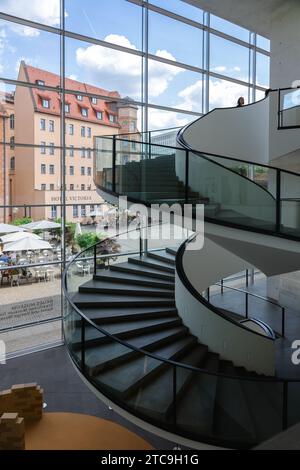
(80, 271)
(73, 323)
(230, 196)
(290, 203)
(103, 173)
(289, 115)
(293, 403)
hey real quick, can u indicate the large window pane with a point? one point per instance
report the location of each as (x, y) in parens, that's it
(180, 8)
(105, 68)
(223, 93)
(46, 12)
(159, 119)
(263, 43)
(229, 28)
(176, 87)
(29, 48)
(174, 40)
(262, 70)
(116, 20)
(228, 58)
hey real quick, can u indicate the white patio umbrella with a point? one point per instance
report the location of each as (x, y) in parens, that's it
(26, 244)
(78, 230)
(8, 228)
(41, 225)
(95, 213)
(13, 237)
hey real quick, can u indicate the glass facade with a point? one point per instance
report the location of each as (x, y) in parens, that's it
(166, 61)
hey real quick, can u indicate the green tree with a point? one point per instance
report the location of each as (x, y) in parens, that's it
(22, 221)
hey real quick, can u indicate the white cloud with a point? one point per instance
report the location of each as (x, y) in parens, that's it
(117, 70)
(47, 12)
(220, 69)
(73, 77)
(165, 119)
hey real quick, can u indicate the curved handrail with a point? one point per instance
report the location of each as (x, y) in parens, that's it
(189, 286)
(263, 325)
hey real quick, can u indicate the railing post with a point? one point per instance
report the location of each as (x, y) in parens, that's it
(222, 286)
(187, 177)
(283, 322)
(247, 305)
(174, 395)
(83, 345)
(247, 278)
(278, 200)
(95, 260)
(141, 242)
(114, 164)
(285, 406)
(208, 294)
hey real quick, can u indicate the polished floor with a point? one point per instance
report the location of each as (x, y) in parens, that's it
(64, 391)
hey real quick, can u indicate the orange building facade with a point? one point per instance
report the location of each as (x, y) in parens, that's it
(33, 167)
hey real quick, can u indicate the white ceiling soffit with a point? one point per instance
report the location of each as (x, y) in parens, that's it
(251, 14)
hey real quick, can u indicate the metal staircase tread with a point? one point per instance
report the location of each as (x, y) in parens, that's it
(95, 287)
(145, 270)
(113, 314)
(110, 300)
(113, 354)
(163, 256)
(141, 371)
(157, 394)
(152, 263)
(136, 279)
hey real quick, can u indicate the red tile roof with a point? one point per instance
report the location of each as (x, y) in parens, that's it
(51, 79)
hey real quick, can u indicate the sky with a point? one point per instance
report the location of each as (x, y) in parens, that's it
(120, 22)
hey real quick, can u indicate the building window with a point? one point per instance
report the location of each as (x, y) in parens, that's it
(12, 142)
(71, 170)
(12, 163)
(82, 131)
(71, 187)
(89, 187)
(82, 152)
(99, 115)
(83, 187)
(43, 148)
(132, 126)
(43, 124)
(45, 103)
(92, 207)
(79, 97)
(82, 171)
(43, 169)
(71, 150)
(40, 82)
(71, 129)
(75, 211)
(51, 125)
(89, 171)
(84, 112)
(94, 100)
(43, 187)
(67, 108)
(53, 212)
(51, 187)
(89, 132)
(12, 121)
(51, 148)
(89, 153)
(111, 118)
(51, 169)
(82, 211)
(133, 145)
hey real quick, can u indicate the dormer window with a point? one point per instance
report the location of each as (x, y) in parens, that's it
(99, 115)
(67, 108)
(84, 112)
(45, 103)
(94, 100)
(40, 82)
(79, 97)
(111, 118)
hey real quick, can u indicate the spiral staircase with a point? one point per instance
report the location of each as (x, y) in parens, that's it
(128, 327)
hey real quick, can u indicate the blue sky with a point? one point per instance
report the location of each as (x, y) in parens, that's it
(120, 22)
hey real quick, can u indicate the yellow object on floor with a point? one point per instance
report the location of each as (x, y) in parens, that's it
(72, 431)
